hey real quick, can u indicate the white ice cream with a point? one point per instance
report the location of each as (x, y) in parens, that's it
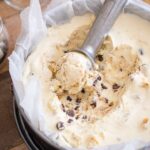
(100, 107)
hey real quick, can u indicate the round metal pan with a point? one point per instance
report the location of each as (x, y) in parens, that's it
(32, 140)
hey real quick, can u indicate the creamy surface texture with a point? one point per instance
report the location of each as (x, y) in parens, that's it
(85, 108)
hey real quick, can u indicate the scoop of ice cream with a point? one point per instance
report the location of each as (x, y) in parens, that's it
(72, 71)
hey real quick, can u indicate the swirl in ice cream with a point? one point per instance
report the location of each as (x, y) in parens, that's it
(86, 108)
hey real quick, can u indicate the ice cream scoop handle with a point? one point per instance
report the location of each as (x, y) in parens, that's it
(103, 23)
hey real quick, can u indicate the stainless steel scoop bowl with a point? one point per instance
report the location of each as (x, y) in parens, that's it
(103, 23)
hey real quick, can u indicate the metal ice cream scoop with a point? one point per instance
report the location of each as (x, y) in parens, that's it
(103, 23)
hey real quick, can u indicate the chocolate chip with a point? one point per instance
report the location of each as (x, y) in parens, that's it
(120, 69)
(60, 125)
(83, 90)
(115, 86)
(69, 98)
(103, 86)
(65, 91)
(94, 83)
(141, 51)
(65, 51)
(100, 57)
(84, 117)
(69, 120)
(93, 104)
(111, 104)
(115, 90)
(98, 94)
(97, 79)
(78, 100)
(63, 107)
(106, 100)
(76, 108)
(70, 113)
(77, 117)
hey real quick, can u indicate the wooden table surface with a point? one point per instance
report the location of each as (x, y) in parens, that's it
(9, 136)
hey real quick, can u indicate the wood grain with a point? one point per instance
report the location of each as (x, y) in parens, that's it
(147, 1)
(6, 11)
(9, 136)
(13, 26)
(20, 147)
(8, 131)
